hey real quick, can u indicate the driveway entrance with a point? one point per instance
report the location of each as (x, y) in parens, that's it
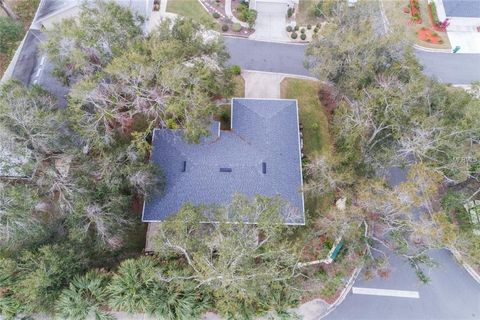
(270, 24)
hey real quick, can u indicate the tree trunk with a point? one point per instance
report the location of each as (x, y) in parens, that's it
(6, 7)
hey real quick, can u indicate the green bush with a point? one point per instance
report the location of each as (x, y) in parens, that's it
(236, 69)
(216, 15)
(309, 26)
(225, 27)
(303, 36)
(11, 32)
(289, 28)
(296, 28)
(302, 30)
(236, 27)
(294, 35)
(290, 12)
(316, 30)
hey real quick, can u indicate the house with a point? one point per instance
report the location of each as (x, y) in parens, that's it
(260, 154)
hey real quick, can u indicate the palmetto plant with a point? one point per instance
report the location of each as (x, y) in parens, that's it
(133, 285)
(139, 287)
(84, 298)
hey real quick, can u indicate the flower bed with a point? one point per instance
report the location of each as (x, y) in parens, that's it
(415, 12)
(436, 24)
(429, 35)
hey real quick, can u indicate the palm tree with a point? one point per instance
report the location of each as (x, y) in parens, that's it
(134, 285)
(84, 298)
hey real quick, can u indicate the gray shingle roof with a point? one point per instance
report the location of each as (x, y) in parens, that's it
(262, 131)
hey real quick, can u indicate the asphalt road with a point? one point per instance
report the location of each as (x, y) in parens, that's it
(451, 293)
(288, 58)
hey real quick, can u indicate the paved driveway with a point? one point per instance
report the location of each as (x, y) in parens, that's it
(262, 85)
(270, 24)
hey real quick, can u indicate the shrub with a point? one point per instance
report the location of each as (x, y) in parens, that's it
(302, 30)
(317, 25)
(216, 15)
(316, 30)
(290, 12)
(309, 26)
(303, 36)
(433, 9)
(225, 27)
(236, 27)
(289, 28)
(296, 28)
(236, 69)
(294, 35)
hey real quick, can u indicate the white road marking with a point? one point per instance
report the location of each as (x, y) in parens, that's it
(42, 61)
(387, 293)
(38, 72)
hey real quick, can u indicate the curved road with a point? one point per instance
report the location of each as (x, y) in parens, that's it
(288, 58)
(452, 292)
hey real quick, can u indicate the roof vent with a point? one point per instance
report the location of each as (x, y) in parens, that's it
(264, 167)
(225, 169)
(184, 166)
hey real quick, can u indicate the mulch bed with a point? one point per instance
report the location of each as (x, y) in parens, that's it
(428, 35)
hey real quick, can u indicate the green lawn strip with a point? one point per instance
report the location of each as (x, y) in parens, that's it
(316, 136)
(239, 87)
(190, 9)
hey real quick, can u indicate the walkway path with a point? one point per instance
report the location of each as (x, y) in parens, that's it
(228, 12)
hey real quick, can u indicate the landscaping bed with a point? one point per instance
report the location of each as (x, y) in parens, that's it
(216, 10)
(305, 33)
(399, 15)
(428, 35)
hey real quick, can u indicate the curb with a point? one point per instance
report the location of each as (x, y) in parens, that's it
(269, 41)
(284, 75)
(418, 47)
(344, 293)
(465, 265)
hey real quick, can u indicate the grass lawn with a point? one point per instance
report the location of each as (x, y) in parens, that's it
(399, 19)
(239, 87)
(190, 9)
(305, 14)
(25, 10)
(316, 136)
